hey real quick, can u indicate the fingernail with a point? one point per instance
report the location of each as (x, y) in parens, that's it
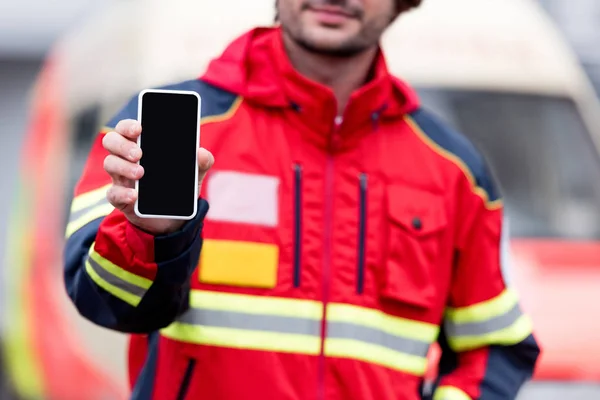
(134, 153)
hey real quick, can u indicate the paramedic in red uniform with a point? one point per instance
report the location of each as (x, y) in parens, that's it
(349, 230)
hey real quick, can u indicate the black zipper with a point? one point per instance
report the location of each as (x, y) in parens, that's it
(297, 223)
(187, 379)
(362, 232)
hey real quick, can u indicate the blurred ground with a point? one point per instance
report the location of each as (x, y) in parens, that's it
(562, 391)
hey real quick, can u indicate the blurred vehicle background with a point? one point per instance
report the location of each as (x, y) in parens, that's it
(520, 77)
(579, 22)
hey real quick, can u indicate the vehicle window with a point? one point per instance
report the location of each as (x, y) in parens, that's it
(540, 152)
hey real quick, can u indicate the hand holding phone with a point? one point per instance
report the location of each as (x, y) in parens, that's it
(170, 137)
(128, 164)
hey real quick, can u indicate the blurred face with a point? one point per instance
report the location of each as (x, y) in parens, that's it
(336, 27)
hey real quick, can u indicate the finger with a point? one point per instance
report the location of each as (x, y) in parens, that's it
(205, 159)
(121, 197)
(120, 169)
(116, 144)
(124, 182)
(205, 162)
(129, 128)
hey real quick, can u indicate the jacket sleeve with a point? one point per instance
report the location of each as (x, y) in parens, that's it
(488, 348)
(118, 276)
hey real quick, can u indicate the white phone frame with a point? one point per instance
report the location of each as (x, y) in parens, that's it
(139, 142)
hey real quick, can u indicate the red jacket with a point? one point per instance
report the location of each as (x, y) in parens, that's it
(333, 255)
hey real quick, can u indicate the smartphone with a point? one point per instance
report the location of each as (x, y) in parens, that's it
(169, 141)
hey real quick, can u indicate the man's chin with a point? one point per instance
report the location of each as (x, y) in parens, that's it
(331, 49)
(329, 42)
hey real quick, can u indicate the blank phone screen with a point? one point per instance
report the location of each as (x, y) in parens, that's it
(168, 141)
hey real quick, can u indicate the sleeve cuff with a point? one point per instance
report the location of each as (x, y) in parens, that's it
(168, 247)
(158, 249)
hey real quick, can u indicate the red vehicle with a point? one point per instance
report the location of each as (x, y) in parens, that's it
(518, 93)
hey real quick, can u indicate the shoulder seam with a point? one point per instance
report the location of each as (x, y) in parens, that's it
(468, 173)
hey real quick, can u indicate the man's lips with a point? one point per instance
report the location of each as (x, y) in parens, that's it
(331, 15)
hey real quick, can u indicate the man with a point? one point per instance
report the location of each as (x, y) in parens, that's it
(348, 231)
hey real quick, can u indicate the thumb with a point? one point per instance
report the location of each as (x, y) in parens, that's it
(205, 162)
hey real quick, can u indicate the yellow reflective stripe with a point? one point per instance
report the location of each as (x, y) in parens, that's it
(376, 319)
(249, 322)
(86, 208)
(112, 289)
(256, 304)
(243, 338)
(494, 307)
(118, 271)
(88, 199)
(450, 393)
(376, 337)
(371, 353)
(292, 325)
(94, 213)
(496, 321)
(511, 335)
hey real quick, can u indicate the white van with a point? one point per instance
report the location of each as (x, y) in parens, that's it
(496, 70)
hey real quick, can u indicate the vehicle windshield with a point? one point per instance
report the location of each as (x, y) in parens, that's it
(541, 153)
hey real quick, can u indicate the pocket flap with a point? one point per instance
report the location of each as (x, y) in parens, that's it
(418, 211)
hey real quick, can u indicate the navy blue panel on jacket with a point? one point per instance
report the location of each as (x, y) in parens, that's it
(459, 145)
(508, 367)
(214, 101)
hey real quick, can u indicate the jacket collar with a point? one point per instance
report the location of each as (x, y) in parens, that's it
(256, 66)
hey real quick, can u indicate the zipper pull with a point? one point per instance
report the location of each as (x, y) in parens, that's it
(334, 139)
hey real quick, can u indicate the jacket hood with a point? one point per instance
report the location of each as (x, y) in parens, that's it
(256, 67)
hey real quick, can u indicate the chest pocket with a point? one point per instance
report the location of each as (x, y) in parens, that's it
(415, 225)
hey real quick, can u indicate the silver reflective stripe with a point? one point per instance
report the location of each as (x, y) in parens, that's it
(484, 327)
(80, 213)
(256, 322)
(344, 330)
(115, 280)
